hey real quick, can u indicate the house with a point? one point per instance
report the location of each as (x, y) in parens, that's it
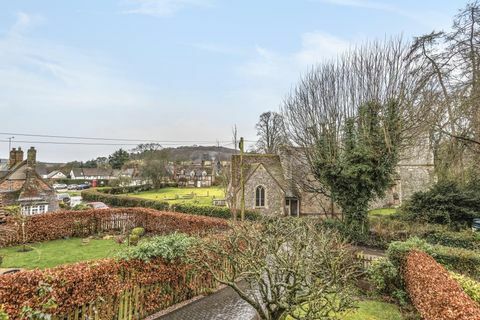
(56, 175)
(22, 185)
(283, 184)
(195, 174)
(92, 174)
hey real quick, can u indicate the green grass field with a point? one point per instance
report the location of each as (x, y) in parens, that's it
(382, 212)
(371, 310)
(57, 252)
(201, 196)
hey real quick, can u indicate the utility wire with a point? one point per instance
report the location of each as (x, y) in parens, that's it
(110, 139)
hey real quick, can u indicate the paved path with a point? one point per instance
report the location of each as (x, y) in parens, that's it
(224, 304)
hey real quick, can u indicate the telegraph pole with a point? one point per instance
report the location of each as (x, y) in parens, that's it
(10, 143)
(242, 182)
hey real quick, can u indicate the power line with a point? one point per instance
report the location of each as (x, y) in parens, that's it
(110, 139)
(86, 143)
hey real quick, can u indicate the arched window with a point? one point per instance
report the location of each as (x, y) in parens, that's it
(260, 196)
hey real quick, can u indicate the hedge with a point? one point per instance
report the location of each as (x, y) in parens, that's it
(115, 200)
(464, 239)
(470, 286)
(103, 287)
(434, 293)
(62, 224)
(457, 259)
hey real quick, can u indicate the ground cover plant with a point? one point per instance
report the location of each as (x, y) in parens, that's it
(199, 196)
(57, 252)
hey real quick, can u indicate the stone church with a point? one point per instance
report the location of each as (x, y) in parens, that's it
(283, 184)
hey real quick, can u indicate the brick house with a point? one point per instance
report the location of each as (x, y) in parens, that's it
(283, 184)
(22, 185)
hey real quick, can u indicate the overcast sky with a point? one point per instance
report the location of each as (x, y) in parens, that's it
(173, 70)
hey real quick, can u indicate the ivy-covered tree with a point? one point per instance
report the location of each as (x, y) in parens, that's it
(360, 167)
(351, 118)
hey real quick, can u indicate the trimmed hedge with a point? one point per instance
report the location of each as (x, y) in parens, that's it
(127, 201)
(456, 259)
(434, 293)
(62, 224)
(464, 239)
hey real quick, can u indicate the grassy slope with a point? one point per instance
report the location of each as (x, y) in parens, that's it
(169, 193)
(52, 253)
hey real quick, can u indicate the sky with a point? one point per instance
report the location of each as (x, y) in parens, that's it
(174, 71)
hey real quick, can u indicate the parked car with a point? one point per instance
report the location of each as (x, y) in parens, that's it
(72, 187)
(98, 205)
(59, 186)
(83, 186)
(64, 197)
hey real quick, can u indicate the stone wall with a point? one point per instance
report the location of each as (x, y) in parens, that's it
(274, 196)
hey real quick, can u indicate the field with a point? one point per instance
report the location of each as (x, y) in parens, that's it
(53, 253)
(196, 196)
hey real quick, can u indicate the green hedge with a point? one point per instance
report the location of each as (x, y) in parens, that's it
(465, 239)
(470, 286)
(116, 200)
(457, 259)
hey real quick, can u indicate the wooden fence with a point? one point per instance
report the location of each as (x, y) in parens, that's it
(366, 260)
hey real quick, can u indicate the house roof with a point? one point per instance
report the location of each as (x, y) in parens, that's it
(23, 179)
(92, 172)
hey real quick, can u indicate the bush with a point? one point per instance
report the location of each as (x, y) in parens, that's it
(470, 286)
(134, 239)
(138, 231)
(169, 247)
(445, 203)
(434, 293)
(384, 276)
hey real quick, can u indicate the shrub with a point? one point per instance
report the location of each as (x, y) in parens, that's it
(169, 247)
(470, 286)
(398, 250)
(445, 203)
(139, 231)
(434, 293)
(133, 239)
(384, 276)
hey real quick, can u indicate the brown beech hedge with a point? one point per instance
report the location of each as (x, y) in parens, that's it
(433, 293)
(63, 224)
(103, 287)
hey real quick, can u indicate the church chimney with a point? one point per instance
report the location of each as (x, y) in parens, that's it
(31, 157)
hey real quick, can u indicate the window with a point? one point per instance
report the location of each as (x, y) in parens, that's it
(260, 197)
(29, 210)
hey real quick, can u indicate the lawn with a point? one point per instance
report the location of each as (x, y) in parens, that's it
(382, 212)
(53, 253)
(371, 310)
(197, 196)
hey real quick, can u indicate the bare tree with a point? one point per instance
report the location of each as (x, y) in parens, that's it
(291, 267)
(450, 66)
(270, 132)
